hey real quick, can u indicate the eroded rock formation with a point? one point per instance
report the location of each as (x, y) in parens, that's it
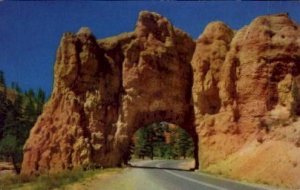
(238, 92)
(246, 97)
(105, 90)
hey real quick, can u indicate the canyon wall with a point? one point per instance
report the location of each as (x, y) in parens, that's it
(236, 92)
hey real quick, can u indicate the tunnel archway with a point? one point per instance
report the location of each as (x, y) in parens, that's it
(183, 120)
(164, 141)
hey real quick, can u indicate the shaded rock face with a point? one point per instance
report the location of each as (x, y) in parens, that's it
(238, 92)
(107, 89)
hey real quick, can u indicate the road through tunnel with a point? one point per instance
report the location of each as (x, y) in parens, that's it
(162, 141)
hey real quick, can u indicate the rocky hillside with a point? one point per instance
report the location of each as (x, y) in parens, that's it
(236, 92)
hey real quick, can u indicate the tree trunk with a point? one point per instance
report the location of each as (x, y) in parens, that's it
(152, 154)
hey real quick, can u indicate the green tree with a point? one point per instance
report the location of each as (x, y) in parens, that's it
(2, 79)
(184, 144)
(40, 99)
(141, 142)
(30, 112)
(158, 141)
(170, 150)
(13, 138)
(5, 104)
(15, 86)
(16, 120)
(150, 141)
(127, 154)
(10, 147)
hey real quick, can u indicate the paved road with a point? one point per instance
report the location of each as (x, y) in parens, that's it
(165, 175)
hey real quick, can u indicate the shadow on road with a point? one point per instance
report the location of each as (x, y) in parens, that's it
(160, 168)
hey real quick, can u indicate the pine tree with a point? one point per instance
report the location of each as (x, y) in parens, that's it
(3, 111)
(16, 120)
(30, 111)
(10, 147)
(127, 154)
(14, 138)
(40, 99)
(183, 144)
(151, 142)
(18, 88)
(141, 142)
(158, 143)
(2, 79)
(4, 103)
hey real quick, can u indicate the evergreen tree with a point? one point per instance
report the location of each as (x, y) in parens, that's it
(15, 86)
(29, 116)
(184, 144)
(30, 110)
(170, 151)
(2, 79)
(12, 143)
(40, 99)
(150, 141)
(141, 142)
(30, 93)
(5, 104)
(10, 147)
(18, 88)
(158, 142)
(127, 154)
(16, 120)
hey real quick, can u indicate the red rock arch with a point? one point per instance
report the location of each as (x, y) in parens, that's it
(103, 90)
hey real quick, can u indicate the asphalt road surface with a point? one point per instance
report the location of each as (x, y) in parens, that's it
(166, 175)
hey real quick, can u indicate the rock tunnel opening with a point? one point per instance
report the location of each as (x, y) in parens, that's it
(163, 141)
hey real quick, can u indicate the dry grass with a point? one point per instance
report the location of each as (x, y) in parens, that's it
(47, 182)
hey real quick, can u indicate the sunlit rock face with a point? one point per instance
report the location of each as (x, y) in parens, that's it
(107, 89)
(246, 100)
(238, 92)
